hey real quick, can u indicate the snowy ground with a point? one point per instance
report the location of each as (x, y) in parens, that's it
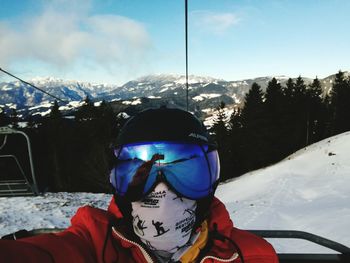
(309, 191)
(48, 211)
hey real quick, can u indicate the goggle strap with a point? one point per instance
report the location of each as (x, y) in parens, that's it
(208, 163)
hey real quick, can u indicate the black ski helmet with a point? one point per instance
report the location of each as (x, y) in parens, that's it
(164, 124)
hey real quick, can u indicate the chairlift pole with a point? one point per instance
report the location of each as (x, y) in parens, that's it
(30, 161)
(186, 47)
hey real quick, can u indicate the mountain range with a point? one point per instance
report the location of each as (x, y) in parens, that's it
(205, 93)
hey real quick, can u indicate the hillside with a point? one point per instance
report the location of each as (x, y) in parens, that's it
(308, 191)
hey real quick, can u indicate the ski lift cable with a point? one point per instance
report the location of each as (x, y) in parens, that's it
(35, 87)
(186, 47)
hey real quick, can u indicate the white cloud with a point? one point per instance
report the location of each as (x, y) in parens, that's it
(117, 38)
(217, 23)
(64, 37)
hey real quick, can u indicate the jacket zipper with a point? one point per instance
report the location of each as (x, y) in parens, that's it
(144, 252)
(233, 257)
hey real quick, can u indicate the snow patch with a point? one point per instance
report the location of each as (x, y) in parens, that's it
(6, 87)
(210, 121)
(42, 105)
(123, 115)
(163, 90)
(11, 105)
(203, 96)
(135, 102)
(97, 103)
(43, 113)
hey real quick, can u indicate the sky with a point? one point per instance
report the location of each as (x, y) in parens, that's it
(115, 41)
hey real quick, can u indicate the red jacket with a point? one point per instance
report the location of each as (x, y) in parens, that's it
(91, 238)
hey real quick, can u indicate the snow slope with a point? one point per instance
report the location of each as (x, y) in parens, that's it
(48, 211)
(308, 191)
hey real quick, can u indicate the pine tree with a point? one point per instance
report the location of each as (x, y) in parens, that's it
(55, 112)
(274, 97)
(340, 103)
(235, 120)
(253, 106)
(30, 122)
(87, 111)
(300, 90)
(56, 133)
(220, 126)
(275, 107)
(236, 145)
(4, 120)
(254, 125)
(289, 127)
(220, 132)
(315, 89)
(14, 118)
(289, 90)
(316, 112)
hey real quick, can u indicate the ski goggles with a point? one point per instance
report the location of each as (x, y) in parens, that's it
(191, 170)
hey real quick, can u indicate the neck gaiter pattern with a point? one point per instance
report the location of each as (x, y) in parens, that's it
(163, 220)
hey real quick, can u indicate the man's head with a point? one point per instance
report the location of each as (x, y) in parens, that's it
(169, 145)
(165, 176)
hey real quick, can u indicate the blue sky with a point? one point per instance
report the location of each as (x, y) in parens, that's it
(114, 41)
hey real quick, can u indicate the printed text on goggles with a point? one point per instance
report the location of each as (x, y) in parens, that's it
(190, 169)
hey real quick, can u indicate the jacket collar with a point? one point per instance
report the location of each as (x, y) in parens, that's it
(220, 228)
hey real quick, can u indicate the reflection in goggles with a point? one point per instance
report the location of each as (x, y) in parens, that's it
(190, 169)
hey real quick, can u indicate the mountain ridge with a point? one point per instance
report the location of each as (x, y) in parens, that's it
(204, 91)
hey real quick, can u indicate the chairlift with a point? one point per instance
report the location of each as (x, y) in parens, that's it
(23, 186)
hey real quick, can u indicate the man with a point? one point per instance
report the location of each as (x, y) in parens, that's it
(165, 175)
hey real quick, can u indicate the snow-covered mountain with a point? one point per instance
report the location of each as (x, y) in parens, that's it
(308, 191)
(24, 95)
(204, 92)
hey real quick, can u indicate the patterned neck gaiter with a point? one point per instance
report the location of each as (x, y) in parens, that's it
(163, 220)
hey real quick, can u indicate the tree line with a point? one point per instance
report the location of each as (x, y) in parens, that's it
(70, 154)
(76, 154)
(273, 124)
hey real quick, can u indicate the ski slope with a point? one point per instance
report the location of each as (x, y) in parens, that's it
(308, 191)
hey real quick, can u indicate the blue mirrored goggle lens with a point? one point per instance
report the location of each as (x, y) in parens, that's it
(171, 151)
(188, 168)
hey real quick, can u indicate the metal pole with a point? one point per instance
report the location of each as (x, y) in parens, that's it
(303, 235)
(186, 44)
(30, 161)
